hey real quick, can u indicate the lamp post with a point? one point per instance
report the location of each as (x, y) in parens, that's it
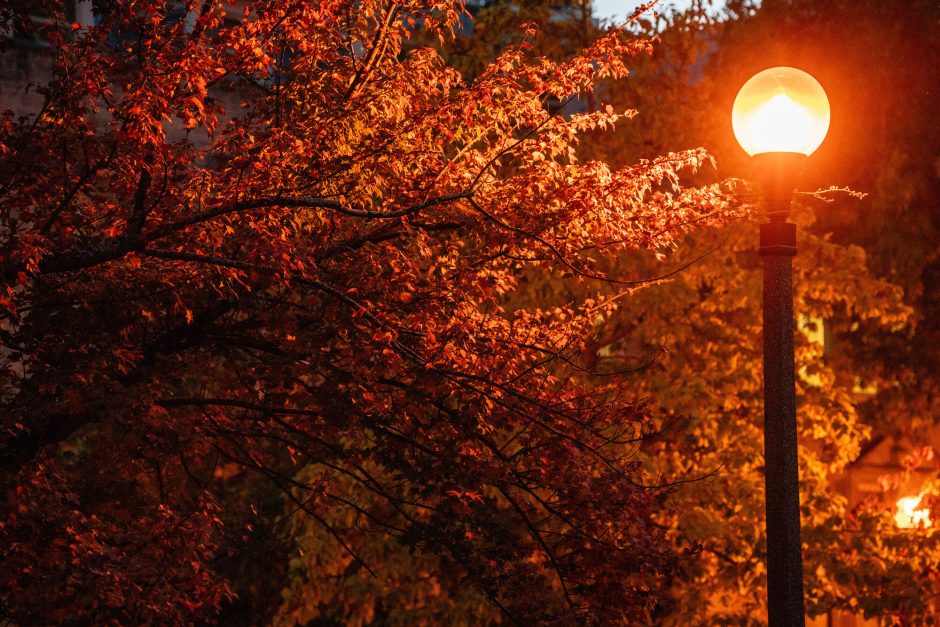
(780, 116)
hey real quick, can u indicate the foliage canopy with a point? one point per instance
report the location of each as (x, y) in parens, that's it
(273, 254)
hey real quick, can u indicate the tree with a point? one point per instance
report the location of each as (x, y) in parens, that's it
(205, 304)
(882, 143)
(705, 327)
(695, 339)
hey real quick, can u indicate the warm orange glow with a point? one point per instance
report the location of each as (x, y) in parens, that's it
(909, 515)
(782, 109)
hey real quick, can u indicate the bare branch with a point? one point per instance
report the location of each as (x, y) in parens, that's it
(309, 202)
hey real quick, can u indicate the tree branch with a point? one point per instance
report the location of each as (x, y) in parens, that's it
(309, 202)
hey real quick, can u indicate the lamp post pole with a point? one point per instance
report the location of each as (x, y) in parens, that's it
(780, 116)
(777, 172)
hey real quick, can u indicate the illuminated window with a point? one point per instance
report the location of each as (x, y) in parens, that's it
(814, 328)
(910, 515)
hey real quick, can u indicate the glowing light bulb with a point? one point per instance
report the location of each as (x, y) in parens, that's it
(782, 109)
(909, 515)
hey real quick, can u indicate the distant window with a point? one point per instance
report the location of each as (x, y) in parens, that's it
(911, 514)
(814, 328)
